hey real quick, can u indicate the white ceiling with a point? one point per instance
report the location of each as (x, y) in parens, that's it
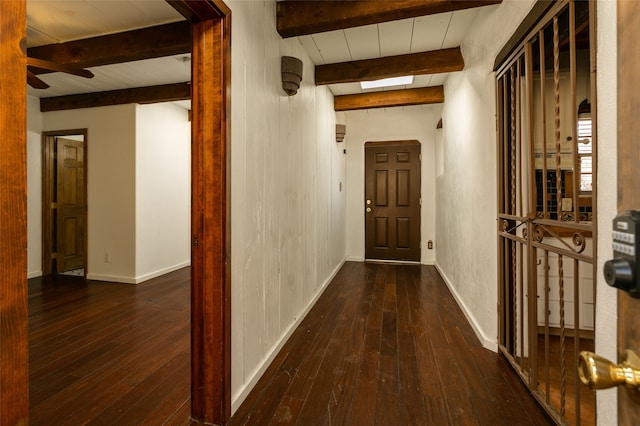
(56, 21)
(149, 72)
(413, 35)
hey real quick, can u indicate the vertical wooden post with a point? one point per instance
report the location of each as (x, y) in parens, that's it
(628, 180)
(14, 379)
(210, 207)
(210, 306)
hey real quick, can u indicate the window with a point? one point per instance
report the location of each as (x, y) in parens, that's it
(585, 152)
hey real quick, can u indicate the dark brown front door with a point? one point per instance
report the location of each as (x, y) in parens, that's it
(72, 205)
(392, 200)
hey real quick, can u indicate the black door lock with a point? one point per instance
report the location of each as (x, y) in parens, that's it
(623, 270)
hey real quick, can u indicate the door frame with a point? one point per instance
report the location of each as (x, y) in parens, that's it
(210, 209)
(628, 335)
(211, 296)
(14, 359)
(49, 167)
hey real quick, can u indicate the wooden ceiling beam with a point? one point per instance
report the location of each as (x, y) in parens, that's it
(296, 17)
(198, 11)
(390, 98)
(128, 46)
(138, 95)
(433, 62)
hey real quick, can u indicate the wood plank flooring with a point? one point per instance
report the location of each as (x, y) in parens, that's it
(106, 353)
(388, 345)
(384, 345)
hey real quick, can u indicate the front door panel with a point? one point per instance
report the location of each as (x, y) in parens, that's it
(392, 201)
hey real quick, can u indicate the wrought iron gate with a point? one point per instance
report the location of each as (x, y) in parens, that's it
(547, 207)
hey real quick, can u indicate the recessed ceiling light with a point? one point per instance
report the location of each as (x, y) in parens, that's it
(387, 82)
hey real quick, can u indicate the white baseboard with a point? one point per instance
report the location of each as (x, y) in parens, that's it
(34, 274)
(162, 271)
(489, 343)
(362, 259)
(355, 259)
(244, 391)
(111, 278)
(141, 278)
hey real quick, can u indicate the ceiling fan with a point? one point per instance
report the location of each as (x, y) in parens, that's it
(37, 83)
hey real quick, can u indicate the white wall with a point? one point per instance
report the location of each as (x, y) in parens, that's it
(606, 297)
(138, 188)
(466, 189)
(110, 185)
(34, 188)
(286, 208)
(466, 178)
(163, 189)
(390, 124)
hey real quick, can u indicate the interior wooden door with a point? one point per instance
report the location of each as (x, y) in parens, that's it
(628, 181)
(392, 204)
(71, 205)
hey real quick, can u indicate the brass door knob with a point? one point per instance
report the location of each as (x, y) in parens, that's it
(599, 373)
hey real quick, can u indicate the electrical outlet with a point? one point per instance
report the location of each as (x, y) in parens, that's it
(430, 245)
(107, 257)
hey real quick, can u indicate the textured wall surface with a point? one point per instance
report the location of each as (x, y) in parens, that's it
(287, 210)
(163, 189)
(466, 187)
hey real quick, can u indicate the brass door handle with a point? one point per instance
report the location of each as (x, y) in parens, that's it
(599, 373)
(368, 209)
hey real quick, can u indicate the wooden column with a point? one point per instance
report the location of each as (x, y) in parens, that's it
(210, 303)
(14, 378)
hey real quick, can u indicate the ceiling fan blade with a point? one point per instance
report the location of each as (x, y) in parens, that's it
(52, 66)
(35, 82)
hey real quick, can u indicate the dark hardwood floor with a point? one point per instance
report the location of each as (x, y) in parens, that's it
(106, 354)
(384, 345)
(388, 345)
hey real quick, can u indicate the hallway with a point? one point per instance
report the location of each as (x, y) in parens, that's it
(388, 345)
(385, 344)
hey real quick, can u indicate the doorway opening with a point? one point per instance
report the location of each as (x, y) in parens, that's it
(392, 201)
(211, 301)
(64, 202)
